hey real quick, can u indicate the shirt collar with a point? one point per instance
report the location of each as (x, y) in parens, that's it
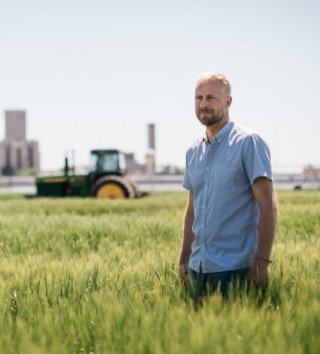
(220, 135)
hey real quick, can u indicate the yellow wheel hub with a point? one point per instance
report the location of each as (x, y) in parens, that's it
(110, 190)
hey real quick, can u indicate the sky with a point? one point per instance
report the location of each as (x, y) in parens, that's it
(93, 74)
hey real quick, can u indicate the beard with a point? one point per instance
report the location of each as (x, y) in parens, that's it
(208, 118)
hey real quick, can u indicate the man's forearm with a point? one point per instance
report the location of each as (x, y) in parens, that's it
(266, 229)
(188, 238)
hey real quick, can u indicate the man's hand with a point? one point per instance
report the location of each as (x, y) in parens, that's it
(258, 274)
(183, 271)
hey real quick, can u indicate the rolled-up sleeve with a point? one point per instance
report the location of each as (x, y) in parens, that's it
(256, 158)
(186, 178)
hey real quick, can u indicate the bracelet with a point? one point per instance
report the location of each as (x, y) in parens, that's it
(263, 259)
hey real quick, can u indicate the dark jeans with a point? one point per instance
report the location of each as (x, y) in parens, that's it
(206, 283)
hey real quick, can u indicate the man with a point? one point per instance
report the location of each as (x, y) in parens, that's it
(230, 220)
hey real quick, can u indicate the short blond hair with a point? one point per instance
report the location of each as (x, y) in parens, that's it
(223, 80)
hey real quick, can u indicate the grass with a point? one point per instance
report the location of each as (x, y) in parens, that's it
(91, 276)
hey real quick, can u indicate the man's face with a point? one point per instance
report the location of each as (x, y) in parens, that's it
(211, 102)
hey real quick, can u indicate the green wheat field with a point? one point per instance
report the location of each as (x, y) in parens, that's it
(92, 276)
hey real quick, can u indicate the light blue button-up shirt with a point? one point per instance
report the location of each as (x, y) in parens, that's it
(220, 173)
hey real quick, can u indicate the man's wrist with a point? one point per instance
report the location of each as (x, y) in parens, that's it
(262, 259)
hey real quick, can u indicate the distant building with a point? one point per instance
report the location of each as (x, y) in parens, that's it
(16, 152)
(311, 172)
(133, 167)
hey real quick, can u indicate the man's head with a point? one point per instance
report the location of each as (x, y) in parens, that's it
(212, 99)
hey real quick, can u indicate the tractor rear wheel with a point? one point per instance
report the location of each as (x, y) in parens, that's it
(135, 188)
(112, 187)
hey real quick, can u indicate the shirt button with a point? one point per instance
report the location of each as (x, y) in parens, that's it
(207, 168)
(201, 225)
(205, 186)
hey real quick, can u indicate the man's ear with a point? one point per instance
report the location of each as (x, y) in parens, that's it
(229, 101)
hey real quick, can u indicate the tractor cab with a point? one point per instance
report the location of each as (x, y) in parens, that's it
(107, 162)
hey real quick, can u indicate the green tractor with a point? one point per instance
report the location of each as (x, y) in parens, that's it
(105, 179)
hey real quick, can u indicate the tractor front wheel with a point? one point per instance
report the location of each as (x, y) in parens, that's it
(112, 187)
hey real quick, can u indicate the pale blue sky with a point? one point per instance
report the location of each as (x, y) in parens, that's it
(92, 74)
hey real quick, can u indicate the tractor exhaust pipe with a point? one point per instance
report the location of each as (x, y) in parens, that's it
(66, 166)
